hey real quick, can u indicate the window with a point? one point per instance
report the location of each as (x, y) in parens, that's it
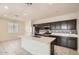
(13, 27)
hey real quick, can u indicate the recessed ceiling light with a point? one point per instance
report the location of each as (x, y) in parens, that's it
(5, 15)
(16, 15)
(25, 14)
(6, 7)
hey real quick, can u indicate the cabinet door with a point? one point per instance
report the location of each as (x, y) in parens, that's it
(72, 25)
(53, 26)
(44, 26)
(72, 43)
(58, 25)
(62, 41)
(58, 40)
(40, 26)
(64, 25)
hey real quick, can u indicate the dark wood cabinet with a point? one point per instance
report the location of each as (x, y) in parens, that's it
(43, 26)
(40, 26)
(62, 41)
(69, 42)
(61, 25)
(53, 26)
(58, 25)
(72, 43)
(64, 25)
(71, 25)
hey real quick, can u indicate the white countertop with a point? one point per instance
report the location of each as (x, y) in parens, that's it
(43, 39)
(63, 34)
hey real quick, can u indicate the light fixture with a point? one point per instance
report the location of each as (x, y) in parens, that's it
(28, 4)
(6, 7)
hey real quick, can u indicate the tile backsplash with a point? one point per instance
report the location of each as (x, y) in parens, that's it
(64, 31)
(59, 31)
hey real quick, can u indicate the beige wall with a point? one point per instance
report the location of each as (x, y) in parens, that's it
(4, 35)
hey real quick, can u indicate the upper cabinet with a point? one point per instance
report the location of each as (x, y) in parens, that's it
(64, 25)
(58, 25)
(53, 26)
(71, 25)
(43, 26)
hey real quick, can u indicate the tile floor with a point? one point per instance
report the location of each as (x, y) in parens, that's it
(12, 47)
(59, 50)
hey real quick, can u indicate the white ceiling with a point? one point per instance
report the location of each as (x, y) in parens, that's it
(37, 11)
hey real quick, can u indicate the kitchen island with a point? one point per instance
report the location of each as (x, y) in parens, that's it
(37, 45)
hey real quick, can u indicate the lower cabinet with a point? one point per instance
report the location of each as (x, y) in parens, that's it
(68, 42)
(72, 43)
(61, 41)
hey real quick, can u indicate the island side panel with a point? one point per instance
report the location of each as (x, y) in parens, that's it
(35, 47)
